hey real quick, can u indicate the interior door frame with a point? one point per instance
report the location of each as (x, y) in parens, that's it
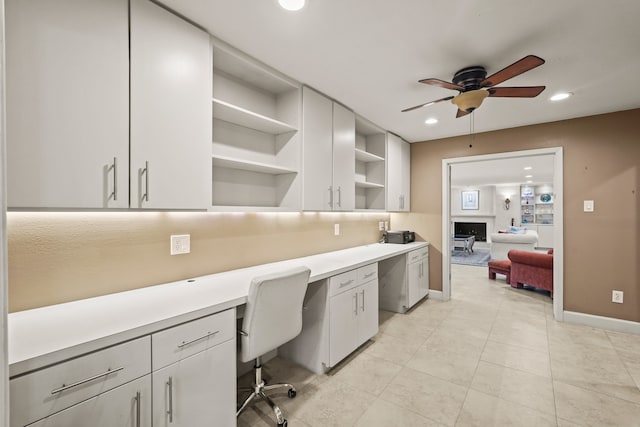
(558, 229)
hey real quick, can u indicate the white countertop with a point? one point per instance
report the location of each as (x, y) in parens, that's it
(48, 335)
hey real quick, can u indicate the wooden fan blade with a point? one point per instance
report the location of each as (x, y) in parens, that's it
(427, 103)
(516, 92)
(525, 64)
(441, 83)
(461, 113)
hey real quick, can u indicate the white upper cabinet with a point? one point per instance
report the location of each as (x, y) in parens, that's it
(329, 153)
(171, 79)
(398, 174)
(256, 143)
(67, 103)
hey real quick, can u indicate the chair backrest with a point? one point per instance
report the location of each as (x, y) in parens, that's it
(273, 314)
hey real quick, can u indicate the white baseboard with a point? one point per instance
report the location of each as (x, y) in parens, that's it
(436, 295)
(602, 322)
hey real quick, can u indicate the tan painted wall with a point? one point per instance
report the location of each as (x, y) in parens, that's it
(601, 163)
(63, 256)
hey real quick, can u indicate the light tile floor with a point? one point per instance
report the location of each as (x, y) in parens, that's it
(492, 356)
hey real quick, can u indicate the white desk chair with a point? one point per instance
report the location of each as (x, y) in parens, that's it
(272, 316)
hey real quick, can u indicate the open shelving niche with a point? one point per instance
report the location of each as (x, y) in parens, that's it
(370, 166)
(256, 145)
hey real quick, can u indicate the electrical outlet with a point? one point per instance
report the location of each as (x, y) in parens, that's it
(336, 229)
(386, 225)
(381, 226)
(617, 297)
(180, 244)
(589, 206)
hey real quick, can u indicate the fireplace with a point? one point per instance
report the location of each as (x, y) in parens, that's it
(477, 229)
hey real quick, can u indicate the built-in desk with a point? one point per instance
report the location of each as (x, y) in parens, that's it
(50, 337)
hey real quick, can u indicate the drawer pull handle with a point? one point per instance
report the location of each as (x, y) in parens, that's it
(184, 344)
(348, 282)
(95, 377)
(366, 276)
(137, 398)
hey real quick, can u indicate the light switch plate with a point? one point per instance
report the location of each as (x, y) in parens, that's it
(180, 244)
(336, 229)
(589, 206)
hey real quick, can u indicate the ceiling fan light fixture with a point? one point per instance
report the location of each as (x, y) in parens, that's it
(291, 5)
(470, 100)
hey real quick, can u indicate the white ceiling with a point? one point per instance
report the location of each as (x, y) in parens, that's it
(504, 171)
(370, 54)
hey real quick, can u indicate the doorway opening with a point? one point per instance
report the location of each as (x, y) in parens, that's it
(487, 161)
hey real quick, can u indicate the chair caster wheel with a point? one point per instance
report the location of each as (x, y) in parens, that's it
(291, 393)
(283, 424)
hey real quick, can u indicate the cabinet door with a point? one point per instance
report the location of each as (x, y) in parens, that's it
(344, 158)
(126, 406)
(405, 173)
(67, 103)
(394, 173)
(199, 390)
(367, 311)
(171, 112)
(317, 125)
(417, 281)
(343, 328)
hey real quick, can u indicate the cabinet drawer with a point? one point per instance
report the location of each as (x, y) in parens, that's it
(367, 273)
(417, 254)
(190, 338)
(42, 393)
(343, 282)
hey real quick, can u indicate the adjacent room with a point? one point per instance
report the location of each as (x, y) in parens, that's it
(319, 213)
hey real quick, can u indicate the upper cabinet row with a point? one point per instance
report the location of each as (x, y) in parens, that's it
(137, 108)
(103, 115)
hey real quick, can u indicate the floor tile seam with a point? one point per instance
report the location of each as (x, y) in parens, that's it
(407, 408)
(553, 384)
(406, 340)
(523, 348)
(518, 370)
(622, 359)
(602, 393)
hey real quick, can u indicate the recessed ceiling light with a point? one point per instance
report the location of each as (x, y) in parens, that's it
(560, 96)
(528, 168)
(291, 4)
(528, 176)
(431, 121)
(529, 182)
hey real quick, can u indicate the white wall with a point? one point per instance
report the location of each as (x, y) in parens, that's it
(504, 216)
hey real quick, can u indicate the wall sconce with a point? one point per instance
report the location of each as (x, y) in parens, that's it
(506, 203)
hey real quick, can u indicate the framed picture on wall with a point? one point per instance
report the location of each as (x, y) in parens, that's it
(470, 200)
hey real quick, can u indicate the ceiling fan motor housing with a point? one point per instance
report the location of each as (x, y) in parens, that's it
(470, 77)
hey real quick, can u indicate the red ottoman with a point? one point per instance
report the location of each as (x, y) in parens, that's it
(502, 266)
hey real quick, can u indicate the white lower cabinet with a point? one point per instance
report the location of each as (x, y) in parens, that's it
(181, 376)
(126, 406)
(197, 391)
(404, 280)
(340, 314)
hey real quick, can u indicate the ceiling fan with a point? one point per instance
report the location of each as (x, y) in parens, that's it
(474, 85)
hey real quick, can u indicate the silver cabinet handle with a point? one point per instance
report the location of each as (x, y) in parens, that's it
(355, 297)
(363, 300)
(138, 409)
(145, 171)
(343, 284)
(339, 196)
(114, 167)
(184, 344)
(331, 196)
(86, 380)
(170, 411)
(366, 276)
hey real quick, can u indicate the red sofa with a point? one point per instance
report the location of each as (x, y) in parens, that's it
(531, 268)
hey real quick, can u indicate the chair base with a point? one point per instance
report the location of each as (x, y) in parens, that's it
(258, 390)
